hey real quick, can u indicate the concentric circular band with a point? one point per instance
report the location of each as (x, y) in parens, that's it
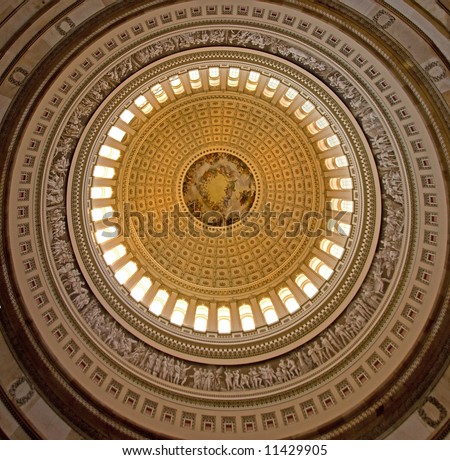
(319, 324)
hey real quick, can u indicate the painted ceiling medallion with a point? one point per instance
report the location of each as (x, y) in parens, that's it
(219, 189)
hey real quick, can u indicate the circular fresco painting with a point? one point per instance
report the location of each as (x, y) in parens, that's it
(219, 189)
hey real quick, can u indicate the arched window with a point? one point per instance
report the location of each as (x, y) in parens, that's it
(246, 315)
(346, 183)
(201, 318)
(328, 143)
(177, 85)
(98, 193)
(194, 78)
(233, 77)
(317, 125)
(223, 320)
(341, 183)
(333, 141)
(331, 248)
(271, 87)
(159, 93)
(288, 97)
(233, 72)
(336, 162)
(304, 110)
(160, 299)
(341, 205)
(124, 274)
(114, 254)
(341, 161)
(339, 227)
(105, 234)
(117, 133)
(214, 72)
(252, 81)
(310, 290)
(288, 299)
(140, 289)
(103, 172)
(108, 152)
(321, 123)
(142, 104)
(140, 101)
(99, 214)
(214, 76)
(304, 283)
(126, 116)
(179, 312)
(321, 268)
(268, 310)
(291, 94)
(335, 183)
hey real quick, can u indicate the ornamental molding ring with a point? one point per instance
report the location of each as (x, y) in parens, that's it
(110, 302)
(401, 208)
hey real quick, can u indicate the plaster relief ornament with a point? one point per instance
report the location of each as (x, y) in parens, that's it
(219, 189)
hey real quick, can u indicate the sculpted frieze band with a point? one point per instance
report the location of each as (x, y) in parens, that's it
(303, 359)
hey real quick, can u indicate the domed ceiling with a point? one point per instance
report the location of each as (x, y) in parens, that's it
(226, 220)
